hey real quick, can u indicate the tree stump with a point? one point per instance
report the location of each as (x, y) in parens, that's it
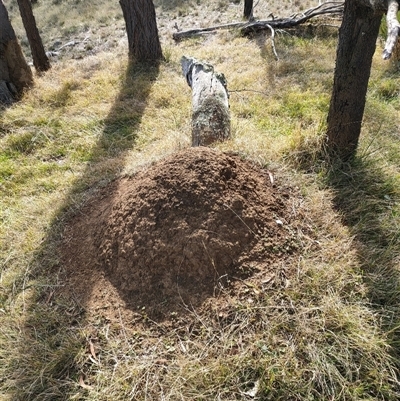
(210, 117)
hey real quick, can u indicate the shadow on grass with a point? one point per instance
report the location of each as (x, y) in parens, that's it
(50, 348)
(365, 196)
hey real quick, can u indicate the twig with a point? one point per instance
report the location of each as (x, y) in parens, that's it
(273, 41)
(69, 44)
(248, 90)
(228, 207)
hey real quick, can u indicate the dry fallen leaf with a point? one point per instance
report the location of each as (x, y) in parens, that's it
(161, 361)
(92, 351)
(82, 383)
(271, 178)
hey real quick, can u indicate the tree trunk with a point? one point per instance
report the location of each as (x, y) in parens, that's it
(356, 47)
(393, 29)
(248, 9)
(40, 60)
(141, 27)
(210, 118)
(15, 74)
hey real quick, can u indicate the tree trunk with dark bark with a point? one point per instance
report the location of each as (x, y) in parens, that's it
(141, 28)
(357, 41)
(15, 74)
(210, 117)
(40, 59)
(248, 9)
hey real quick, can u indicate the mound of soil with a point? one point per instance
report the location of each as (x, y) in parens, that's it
(178, 232)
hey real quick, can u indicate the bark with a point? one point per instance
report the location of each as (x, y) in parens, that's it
(15, 74)
(356, 47)
(248, 9)
(40, 60)
(393, 28)
(377, 5)
(210, 118)
(141, 27)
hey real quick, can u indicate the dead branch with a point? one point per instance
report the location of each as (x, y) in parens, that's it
(393, 28)
(246, 28)
(202, 31)
(334, 7)
(273, 41)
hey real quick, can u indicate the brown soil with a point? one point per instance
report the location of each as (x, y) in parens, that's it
(175, 235)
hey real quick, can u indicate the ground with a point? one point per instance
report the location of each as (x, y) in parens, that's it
(77, 39)
(181, 232)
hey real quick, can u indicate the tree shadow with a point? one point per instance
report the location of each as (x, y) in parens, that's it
(365, 196)
(48, 350)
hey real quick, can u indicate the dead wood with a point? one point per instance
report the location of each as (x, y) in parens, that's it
(246, 28)
(393, 28)
(210, 117)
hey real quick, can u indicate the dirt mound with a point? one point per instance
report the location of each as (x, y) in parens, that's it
(180, 231)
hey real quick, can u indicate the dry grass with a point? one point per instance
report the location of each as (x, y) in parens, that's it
(324, 327)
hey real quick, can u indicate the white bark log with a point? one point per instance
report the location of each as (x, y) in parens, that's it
(210, 118)
(393, 28)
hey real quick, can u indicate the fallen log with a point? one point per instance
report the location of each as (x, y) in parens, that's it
(246, 28)
(180, 35)
(210, 116)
